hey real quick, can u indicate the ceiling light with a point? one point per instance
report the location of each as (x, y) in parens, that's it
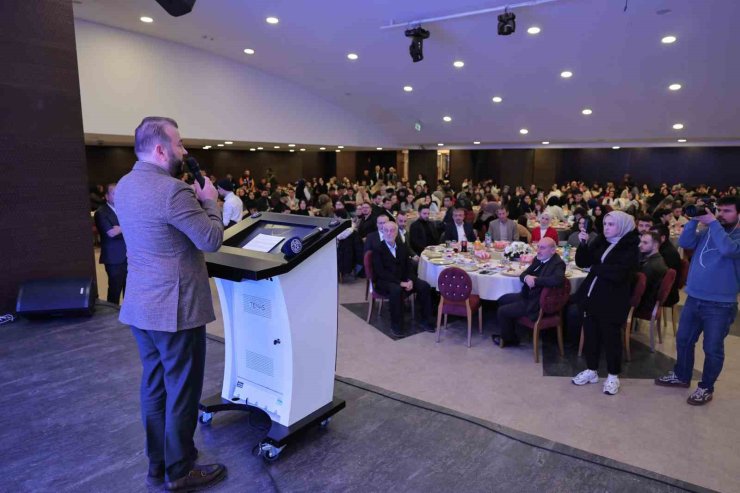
(292, 150)
(219, 145)
(566, 74)
(272, 20)
(681, 140)
(476, 142)
(228, 142)
(249, 51)
(587, 111)
(352, 56)
(677, 126)
(458, 64)
(252, 149)
(668, 40)
(674, 87)
(379, 148)
(506, 23)
(291, 145)
(302, 150)
(146, 19)
(206, 147)
(616, 147)
(416, 48)
(448, 119)
(338, 150)
(534, 30)
(440, 144)
(524, 131)
(340, 147)
(260, 148)
(322, 148)
(408, 88)
(276, 147)
(497, 99)
(545, 142)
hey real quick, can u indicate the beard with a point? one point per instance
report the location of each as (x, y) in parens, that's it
(174, 164)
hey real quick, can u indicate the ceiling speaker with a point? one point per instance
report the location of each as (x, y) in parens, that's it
(176, 8)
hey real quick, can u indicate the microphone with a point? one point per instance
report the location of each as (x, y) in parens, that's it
(194, 168)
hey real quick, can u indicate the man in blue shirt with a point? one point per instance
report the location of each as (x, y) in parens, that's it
(711, 306)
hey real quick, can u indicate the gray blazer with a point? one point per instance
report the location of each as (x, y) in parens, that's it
(166, 228)
(511, 231)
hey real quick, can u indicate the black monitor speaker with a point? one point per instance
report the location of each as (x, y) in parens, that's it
(176, 8)
(56, 297)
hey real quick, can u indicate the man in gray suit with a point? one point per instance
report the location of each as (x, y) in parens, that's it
(503, 228)
(168, 300)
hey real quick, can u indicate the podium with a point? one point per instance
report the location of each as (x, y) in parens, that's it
(276, 276)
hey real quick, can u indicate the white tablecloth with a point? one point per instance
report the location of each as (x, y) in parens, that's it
(489, 287)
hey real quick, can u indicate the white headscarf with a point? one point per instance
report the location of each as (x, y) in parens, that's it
(625, 224)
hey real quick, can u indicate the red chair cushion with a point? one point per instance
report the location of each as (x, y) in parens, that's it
(548, 322)
(458, 309)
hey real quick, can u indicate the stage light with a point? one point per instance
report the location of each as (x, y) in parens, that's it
(506, 23)
(416, 49)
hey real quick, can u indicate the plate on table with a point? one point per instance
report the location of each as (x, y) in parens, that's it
(512, 273)
(468, 267)
(432, 254)
(441, 261)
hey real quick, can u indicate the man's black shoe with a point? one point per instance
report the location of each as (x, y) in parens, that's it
(429, 326)
(199, 478)
(497, 341)
(155, 476)
(397, 333)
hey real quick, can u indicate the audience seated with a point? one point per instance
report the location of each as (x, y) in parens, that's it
(374, 238)
(654, 268)
(584, 224)
(459, 230)
(672, 260)
(503, 229)
(545, 230)
(422, 232)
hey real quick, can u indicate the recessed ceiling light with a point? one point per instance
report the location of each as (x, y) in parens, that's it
(524, 131)
(291, 145)
(276, 147)
(219, 145)
(458, 64)
(322, 148)
(260, 148)
(228, 142)
(534, 30)
(677, 126)
(476, 142)
(146, 19)
(566, 74)
(587, 111)
(352, 56)
(252, 149)
(497, 99)
(272, 20)
(440, 144)
(379, 148)
(408, 88)
(545, 142)
(338, 150)
(292, 150)
(249, 51)
(447, 118)
(616, 147)
(206, 147)
(302, 149)
(681, 140)
(340, 147)
(674, 87)
(668, 40)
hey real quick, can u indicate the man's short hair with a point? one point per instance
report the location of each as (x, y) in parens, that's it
(661, 229)
(729, 200)
(645, 218)
(654, 235)
(458, 208)
(400, 213)
(422, 206)
(150, 132)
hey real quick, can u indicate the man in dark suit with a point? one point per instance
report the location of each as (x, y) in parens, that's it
(393, 276)
(654, 268)
(546, 271)
(459, 230)
(672, 260)
(422, 233)
(168, 225)
(112, 246)
(375, 238)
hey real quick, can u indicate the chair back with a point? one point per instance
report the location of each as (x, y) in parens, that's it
(367, 262)
(666, 285)
(638, 290)
(552, 300)
(454, 284)
(684, 274)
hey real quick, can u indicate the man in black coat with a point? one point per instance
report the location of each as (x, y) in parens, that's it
(459, 230)
(394, 277)
(112, 246)
(546, 271)
(654, 268)
(374, 238)
(672, 260)
(422, 232)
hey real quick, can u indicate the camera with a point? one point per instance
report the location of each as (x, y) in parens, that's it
(692, 210)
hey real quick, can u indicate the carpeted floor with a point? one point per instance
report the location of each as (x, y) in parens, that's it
(69, 390)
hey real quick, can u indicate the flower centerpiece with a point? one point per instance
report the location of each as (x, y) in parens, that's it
(517, 249)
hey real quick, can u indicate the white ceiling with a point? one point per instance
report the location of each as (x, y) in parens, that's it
(621, 68)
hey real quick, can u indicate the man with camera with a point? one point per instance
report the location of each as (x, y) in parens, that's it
(712, 288)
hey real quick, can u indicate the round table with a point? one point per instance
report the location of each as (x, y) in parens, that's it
(491, 286)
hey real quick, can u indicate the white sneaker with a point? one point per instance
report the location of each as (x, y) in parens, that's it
(586, 376)
(611, 386)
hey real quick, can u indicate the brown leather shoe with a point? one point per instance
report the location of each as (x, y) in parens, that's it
(199, 478)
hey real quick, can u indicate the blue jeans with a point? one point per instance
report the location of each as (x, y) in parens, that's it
(714, 319)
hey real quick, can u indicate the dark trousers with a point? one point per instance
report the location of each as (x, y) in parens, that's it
(510, 307)
(116, 281)
(395, 294)
(598, 333)
(171, 383)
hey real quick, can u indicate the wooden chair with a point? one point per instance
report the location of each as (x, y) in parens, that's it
(637, 291)
(455, 286)
(654, 315)
(367, 261)
(681, 280)
(552, 302)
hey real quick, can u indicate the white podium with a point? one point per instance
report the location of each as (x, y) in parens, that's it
(280, 325)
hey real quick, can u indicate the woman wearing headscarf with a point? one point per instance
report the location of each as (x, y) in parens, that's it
(605, 294)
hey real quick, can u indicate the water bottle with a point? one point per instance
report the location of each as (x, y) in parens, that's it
(488, 240)
(566, 253)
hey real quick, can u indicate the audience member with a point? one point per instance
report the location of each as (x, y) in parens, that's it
(459, 230)
(545, 230)
(233, 206)
(654, 268)
(422, 233)
(503, 229)
(112, 246)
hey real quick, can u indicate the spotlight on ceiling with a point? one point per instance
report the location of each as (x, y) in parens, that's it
(416, 49)
(506, 23)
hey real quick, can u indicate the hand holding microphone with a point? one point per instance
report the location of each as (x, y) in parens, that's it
(204, 189)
